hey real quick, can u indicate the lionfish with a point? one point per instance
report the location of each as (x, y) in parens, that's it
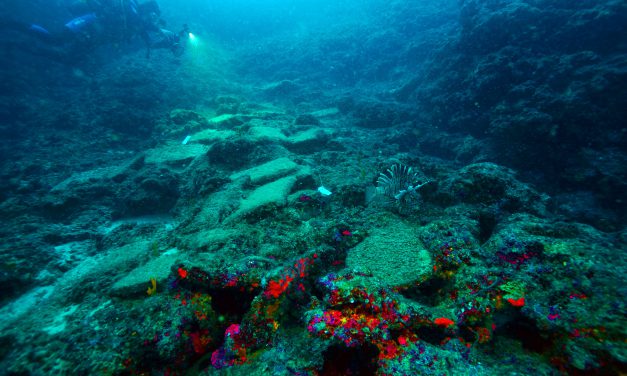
(400, 185)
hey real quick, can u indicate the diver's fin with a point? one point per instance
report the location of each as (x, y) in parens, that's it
(37, 29)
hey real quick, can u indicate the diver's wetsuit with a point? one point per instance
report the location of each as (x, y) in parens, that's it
(36, 40)
(100, 22)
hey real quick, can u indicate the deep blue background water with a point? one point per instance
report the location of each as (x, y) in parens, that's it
(466, 89)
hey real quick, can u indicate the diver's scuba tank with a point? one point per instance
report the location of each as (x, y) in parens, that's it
(79, 24)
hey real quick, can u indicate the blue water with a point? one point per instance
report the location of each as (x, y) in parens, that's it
(313, 187)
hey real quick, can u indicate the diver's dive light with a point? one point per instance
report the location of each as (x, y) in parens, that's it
(193, 39)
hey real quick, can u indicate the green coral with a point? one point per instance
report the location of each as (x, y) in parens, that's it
(514, 289)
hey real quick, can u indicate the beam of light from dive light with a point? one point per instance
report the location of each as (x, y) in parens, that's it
(193, 39)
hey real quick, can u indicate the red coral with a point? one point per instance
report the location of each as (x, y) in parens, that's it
(182, 273)
(443, 321)
(276, 288)
(516, 302)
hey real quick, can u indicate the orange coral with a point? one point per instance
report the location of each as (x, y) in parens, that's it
(152, 289)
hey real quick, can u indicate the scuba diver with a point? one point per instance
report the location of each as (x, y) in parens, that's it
(169, 40)
(103, 22)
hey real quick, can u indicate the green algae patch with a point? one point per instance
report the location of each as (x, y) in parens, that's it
(270, 195)
(308, 141)
(211, 136)
(175, 154)
(209, 240)
(394, 254)
(268, 171)
(60, 322)
(261, 133)
(136, 281)
(226, 120)
(326, 112)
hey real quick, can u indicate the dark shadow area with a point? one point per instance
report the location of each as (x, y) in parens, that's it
(430, 292)
(231, 301)
(524, 330)
(432, 334)
(340, 361)
(487, 223)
